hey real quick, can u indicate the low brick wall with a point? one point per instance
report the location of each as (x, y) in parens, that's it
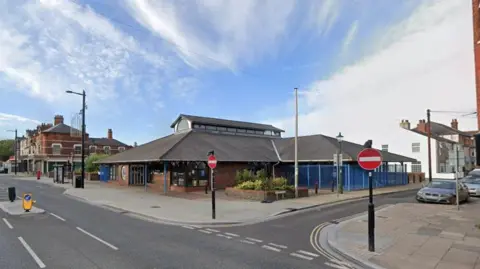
(260, 195)
(416, 177)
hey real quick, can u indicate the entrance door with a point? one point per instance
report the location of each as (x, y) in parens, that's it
(138, 175)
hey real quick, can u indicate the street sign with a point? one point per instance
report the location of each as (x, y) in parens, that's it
(369, 159)
(212, 162)
(336, 158)
(27, 202)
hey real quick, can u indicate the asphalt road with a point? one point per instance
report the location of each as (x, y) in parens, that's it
(73, 234)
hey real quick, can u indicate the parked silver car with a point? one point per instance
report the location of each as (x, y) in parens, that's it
(472, 181)
(443, 191)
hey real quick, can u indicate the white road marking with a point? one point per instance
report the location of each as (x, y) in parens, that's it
(58, 217)
(307, 253)
(212, 230)
(234, 235)
(247, 242)
(278, 246)
(301, 256)
(7, 223)
(254, 240)
(205, 232)
(336, 266)
(97, 238)
(32, 253)
(188, 227)
(271, 248)
(226, 236)
(195, 226)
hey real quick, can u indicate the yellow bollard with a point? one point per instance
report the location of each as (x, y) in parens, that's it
(27, 202)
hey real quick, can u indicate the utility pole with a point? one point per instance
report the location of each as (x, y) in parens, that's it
(429, 135)
(16, 151)
(296, 143)
(457, 164)
(83, 139)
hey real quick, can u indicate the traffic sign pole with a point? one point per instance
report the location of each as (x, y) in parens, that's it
(212, 163)
(370, 159)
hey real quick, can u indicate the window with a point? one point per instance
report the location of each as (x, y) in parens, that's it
(277, 133)
(210, 127)
(92, 149)
(106, 149)
(182, 125)
(77, 149)
(415, 147)
(223, 129)
(416, 167)
(259, 132)
(385, 147)
(241, 131)
(268, 133)
(233, 130)
(250, 131)
(121, 149)
(198, 126)
(56, 149)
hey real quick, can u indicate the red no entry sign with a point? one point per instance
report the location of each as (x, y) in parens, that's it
(212, 161)
(369, 159)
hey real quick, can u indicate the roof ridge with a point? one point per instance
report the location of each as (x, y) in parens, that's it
(172, 147)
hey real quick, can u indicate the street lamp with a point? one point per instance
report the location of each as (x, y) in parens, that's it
(82, 184)
(15, 153)
(339, 164)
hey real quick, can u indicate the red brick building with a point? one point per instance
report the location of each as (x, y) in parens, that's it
(476, 46)
(59, 143)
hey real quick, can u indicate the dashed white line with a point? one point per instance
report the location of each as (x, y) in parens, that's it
(307, 253)
(336, 266)
(254, 240)
(7, 223)
(188, 227)
(205, 232)
(247, 242)
(225, 236)
(32, 253)
(341, 262)
(195, 226)
(97, 238)
(271, 248)
(277, 245)
(58, 217)
(301, 256)
(234, 235)
(212, 230)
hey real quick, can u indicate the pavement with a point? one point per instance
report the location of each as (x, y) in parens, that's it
(196, 209)
(410, 236)
(74, 234)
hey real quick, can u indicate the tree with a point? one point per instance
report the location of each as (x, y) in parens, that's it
(6, 149)
(90, 166)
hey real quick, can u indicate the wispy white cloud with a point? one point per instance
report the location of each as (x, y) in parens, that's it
(228, 33)
(425, 61)
(352, 32)
(50, 46)
(9, 122)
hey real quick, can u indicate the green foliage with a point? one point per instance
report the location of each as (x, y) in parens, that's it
(279, 183)
(246, 181)
(243, 176)
(90, 166)
(251, 185)
(6, 149)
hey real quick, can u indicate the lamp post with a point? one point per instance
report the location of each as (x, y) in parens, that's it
(296, 143)
(339, 164)
(82, 184)
(15, 152)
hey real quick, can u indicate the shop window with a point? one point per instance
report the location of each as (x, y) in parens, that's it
(56, 149)
(178, 174)
(190, 174)
(77, 149)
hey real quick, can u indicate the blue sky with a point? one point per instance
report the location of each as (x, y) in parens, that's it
(144, 62)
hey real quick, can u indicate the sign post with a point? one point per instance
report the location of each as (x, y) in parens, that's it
(27, 202)
(370, 159)
(212, 163)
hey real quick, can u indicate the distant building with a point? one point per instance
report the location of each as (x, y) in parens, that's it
(59, 143)
(413, 142)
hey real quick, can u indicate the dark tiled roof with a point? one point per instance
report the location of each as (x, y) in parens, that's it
(151, 151)
(103, 141)
(194, 146)
(442, 129)
(61, 128)
(230, 148)
(433, 135)
(226, 123)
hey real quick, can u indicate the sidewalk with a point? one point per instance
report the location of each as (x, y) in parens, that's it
(411, 236)
(198, 211)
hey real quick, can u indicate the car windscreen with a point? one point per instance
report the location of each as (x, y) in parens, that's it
(471, 179)
(441, 185)
(474, 173)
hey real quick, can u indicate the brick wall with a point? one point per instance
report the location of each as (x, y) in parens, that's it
(226, 172)
(476, 46)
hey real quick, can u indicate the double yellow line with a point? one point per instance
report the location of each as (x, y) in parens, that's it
(314, 241)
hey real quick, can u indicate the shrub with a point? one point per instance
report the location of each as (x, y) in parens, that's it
(250, 185)
(92, 167)
(243, 176)
(279, 183)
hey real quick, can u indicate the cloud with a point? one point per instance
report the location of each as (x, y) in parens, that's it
(50, 46)
(424, 61)
(9, 122)
(352, 32)
(228, 33)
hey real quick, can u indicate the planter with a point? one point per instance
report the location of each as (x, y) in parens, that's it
(261, 195)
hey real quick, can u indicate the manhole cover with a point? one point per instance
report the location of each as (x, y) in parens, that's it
(155, 206)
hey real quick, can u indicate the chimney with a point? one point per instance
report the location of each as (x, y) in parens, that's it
(422, 126)
(57, 119)
(407, 124)
(454, 124)
(110, 134)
